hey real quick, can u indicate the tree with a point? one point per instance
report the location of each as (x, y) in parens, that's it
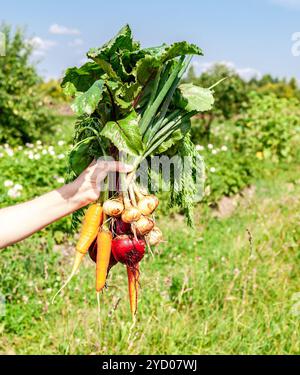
(229, 95)
(23, 116)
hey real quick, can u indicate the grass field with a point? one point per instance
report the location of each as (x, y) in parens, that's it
(230, 286)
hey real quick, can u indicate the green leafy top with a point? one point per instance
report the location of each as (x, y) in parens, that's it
(136, 97)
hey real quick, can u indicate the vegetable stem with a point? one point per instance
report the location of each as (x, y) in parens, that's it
(152, 109)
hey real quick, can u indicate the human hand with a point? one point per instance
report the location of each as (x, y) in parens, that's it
(88, 184)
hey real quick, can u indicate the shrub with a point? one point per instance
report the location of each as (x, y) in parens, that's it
(23, 116)
(227, 171)
(268, 127)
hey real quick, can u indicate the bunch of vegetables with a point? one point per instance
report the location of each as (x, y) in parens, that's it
(130, 100)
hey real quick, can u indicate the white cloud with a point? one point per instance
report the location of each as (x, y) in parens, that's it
(63, 30)
(76, 42)
(246, 73)
(41, 45)
(293, 4)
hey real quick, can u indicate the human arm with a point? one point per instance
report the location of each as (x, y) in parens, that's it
(22, 220)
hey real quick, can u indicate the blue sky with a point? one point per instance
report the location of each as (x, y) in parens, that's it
(254, 36)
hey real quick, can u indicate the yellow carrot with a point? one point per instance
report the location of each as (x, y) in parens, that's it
(90, 228)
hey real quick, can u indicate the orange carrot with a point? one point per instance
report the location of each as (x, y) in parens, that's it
(90, 228)
(104, 240)
(133, 284)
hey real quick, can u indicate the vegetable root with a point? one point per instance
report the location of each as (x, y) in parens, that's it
(143, 226)
(90, 227)
(104, 241)
(113, 207)
(133, 274)
(131, 213)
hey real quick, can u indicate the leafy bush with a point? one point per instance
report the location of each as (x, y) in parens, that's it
(23, 116)
(230, 96)
(53, 91)
(227, 171)
(268, 127)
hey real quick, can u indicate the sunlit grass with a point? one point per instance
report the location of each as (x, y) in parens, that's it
(227, 287)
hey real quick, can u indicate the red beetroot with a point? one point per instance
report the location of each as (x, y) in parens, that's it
(128, 250)
(121, 227)
(93, 251)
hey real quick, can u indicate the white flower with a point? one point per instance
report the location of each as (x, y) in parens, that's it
(224, 148)
(10, 152)
(29, 145)
(1, 155)
(8, 183)
(6, 145)
(210, 146)
(60, 156)
(236, 271)
(44, 152)
(214, 152)
(212, 169)
(50, 148)
(31, 156)
(20, 148)
(38, 142)
(207, 190)
(51, 152)
(13, 193)
(199, 148)
(39, 147)
(61, 143)
(60, 180)
(37, 156)
(18, 187)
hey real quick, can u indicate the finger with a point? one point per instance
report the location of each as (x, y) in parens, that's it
(114, 166)
(125, 168)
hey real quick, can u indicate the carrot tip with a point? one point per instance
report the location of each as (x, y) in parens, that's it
(77, 261)
(99, 315)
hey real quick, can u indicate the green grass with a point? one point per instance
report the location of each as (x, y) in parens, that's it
(228, 287)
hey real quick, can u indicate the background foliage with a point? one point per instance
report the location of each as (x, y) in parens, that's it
(23, 115)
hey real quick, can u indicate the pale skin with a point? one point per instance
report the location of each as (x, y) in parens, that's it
(22, 220)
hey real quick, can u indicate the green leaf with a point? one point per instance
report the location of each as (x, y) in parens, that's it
(125, 134)
(69, 89)
(176, 136)
(195, 98)
(189, 188)
(180, 49)
(146, 69)
(79, 156)
(81, 79)
(86, 103)
(109, 56)
(164, 52)
(155, 57)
